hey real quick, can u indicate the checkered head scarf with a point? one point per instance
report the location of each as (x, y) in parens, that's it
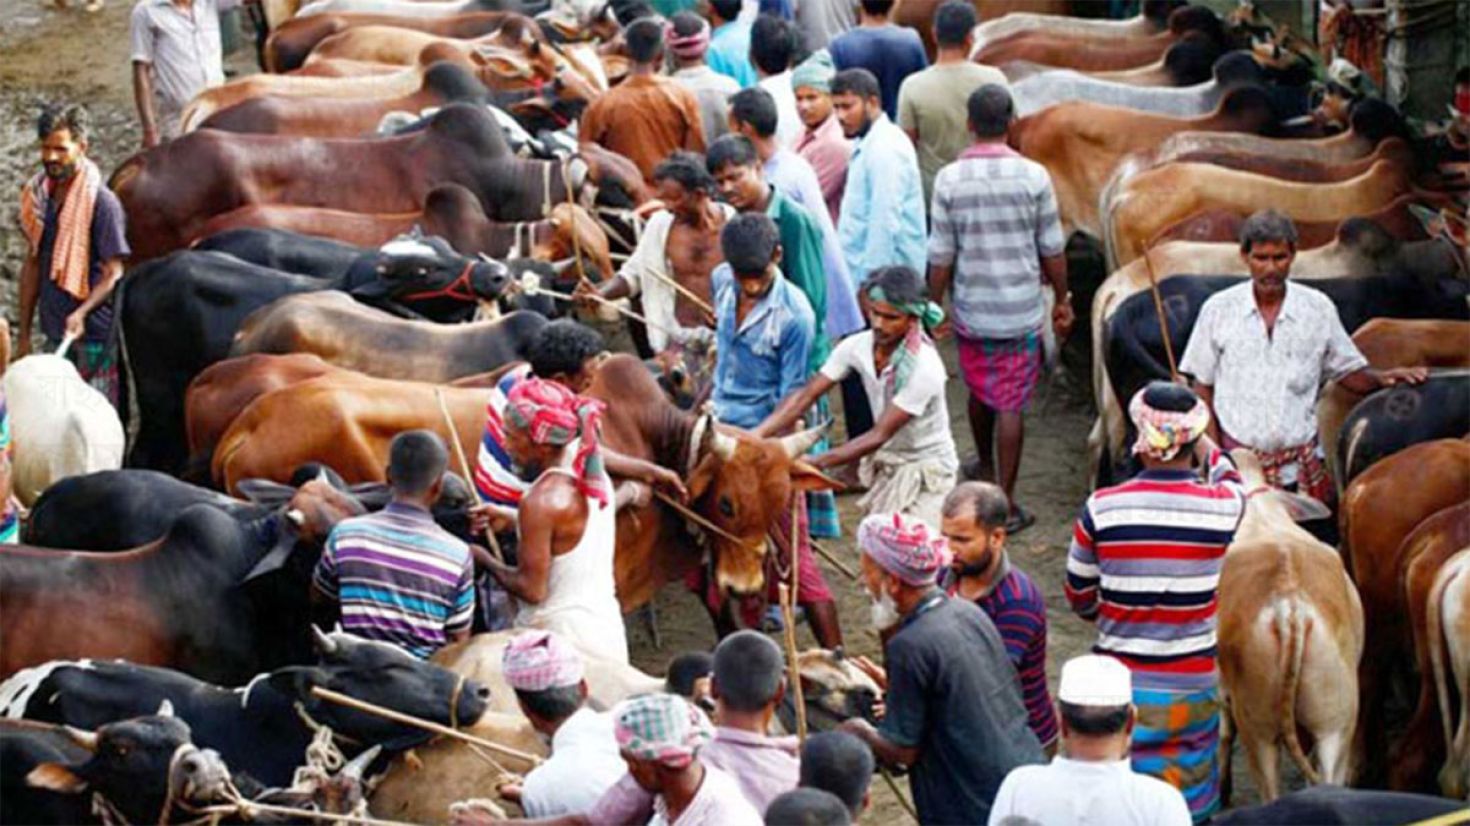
(541, 660)
(904, 546)
(1163, 433)
(554, 415)
(661, 727)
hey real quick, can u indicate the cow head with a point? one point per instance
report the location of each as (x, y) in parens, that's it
(833, 690)
(743, 484)
(417, 269)
(138, 764)
(525, 62)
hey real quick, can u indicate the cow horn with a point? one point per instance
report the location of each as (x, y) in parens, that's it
(83, 738)
(324, 642)
(800, 442)
(296, 517)
(165, 709)
(359, 764)
(722, 444)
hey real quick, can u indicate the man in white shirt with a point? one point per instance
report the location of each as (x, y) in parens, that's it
(176, 55)
(909, 463)
(1091, 781)
(772, 46)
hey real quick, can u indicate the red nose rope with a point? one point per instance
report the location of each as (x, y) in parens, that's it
(459, 289)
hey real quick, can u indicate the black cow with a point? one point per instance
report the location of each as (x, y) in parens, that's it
(178, 315)
(1336, 805)
(1395, 417)
(257, 729)
(49, 774)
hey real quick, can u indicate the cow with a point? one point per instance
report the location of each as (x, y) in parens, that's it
(140, 770)
(1393, 418)
(288, 45)
(426, 9)
(257, 727)
(919, 14)
(62, 426)
(1152, 17)
(1378, 510)
(1396, 218)
(364, 82)
(1327, 805)
(1104, 53)
(1052, 86)
(1448, 638)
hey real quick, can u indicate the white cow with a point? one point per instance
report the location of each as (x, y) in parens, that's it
(396, 8)
(60, 426)
(1449, 657)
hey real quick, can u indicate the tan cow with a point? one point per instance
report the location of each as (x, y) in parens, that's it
(1290, 637)
(1449, 648)
(1153, 19)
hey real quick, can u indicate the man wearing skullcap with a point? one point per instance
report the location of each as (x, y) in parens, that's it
(1159, 540)
(563, 576)
(953, 704)
(687, 38)
(822, 143)
(660, 736)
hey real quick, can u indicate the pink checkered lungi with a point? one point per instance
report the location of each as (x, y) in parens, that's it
(1001, 373)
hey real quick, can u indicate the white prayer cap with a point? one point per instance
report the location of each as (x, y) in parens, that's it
(1093, 680)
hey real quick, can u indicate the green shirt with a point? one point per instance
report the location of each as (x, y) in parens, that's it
(801, 263)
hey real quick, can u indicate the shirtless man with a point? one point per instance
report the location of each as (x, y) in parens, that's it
(681, 242)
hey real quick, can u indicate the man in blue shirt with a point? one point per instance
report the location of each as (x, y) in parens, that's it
(889, 51)
(882, 218)
(729, 45)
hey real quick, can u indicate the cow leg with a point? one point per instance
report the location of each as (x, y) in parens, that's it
(1260, 754)
(1332, 756)
(1227, 751)
(649, 616)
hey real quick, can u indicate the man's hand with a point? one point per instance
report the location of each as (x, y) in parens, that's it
(490, 516)
(76, 324)
(1062, 320)
(667, 481)
(1403, 375)
(586, 295)
(943, 330)
(872, 669)
(150, 137)
(476, 812)
(23, 343)
(510, 790)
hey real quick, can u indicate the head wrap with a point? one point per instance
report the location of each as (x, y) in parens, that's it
(553, 415)
(1163, 433)
(904, 546)
(816, 71)
(539, 660)
(907, 358)
(690, 46)
(661, 727)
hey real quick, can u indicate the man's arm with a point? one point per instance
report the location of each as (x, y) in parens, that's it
(1206, 393)
(887, 752)
(792, 406)
(143, 98)
(892, 420)
(796, 351)
(1054, 267)
(76, 323)
(942, 251)
(30, 290)
(1368, 379)
(545, 506)
(628, 467)
(1083, 575)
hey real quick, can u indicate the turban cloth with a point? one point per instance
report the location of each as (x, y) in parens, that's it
(539, 660)
(661, 727)
(554, 415)
(906, 358)
(904, 546)
(816, 71)
(690, 46)
(1163, 433)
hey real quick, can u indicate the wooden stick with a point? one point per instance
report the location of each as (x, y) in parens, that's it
(399, 717)
(793, 666)
(600, 300)
(898, 793)
(464, 467)
(1153, 286)
(791, 617)
(684, 511)
(686, 292)
(834, 559)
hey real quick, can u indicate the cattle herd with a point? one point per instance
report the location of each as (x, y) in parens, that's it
(335, 251)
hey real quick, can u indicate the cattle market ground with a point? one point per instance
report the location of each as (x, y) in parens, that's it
(51, 55)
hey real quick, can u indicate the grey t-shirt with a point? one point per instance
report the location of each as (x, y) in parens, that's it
(953, 693)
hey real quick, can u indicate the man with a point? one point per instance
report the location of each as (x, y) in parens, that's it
(890, 52)
(76, 242)
(953, 707)
(563, 576)
(1261, 351)
(822, 20)
(882, 219)
(772, 46)
(9, 508)
(1091, 782)
(647, 116)
(807, 807)
(1158, 541)
(680, 244)
(395, 576)
(839, 763)
(689, 677)
(996, 235)
(908, 458)
(176, 55)
(931, 103)
(974, 523)
(661, 737)
(688, 40)
(822, 143)
(729, 47)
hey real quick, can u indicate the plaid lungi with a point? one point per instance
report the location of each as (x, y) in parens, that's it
(821, 505)
(1177, 739)
(96, 363)
(1001, 373)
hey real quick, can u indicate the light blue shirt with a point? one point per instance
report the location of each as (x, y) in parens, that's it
(765, 359)
(729, 52)
(793, 176)
(882, 218)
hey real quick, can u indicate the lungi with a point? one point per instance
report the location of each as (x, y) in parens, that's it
(1302, 467)
(97, 365)
(821, 505)
(9, 513)
(1177, 739)
(913, 487)
(1001, 373)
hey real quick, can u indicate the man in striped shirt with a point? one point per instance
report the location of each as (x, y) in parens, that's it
(1145, 565)
(396, 576)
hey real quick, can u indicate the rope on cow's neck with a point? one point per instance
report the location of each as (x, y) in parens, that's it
(1153, 286)
(898, 793)
(530, 284)
(464, 468)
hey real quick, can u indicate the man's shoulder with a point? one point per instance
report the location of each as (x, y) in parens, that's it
(1024, 591)
(109, 204)
(1312, 298)
(1234, 296)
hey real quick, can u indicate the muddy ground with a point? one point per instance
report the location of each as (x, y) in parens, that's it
(48, 55)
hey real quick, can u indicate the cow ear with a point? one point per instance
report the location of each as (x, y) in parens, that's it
(503, 66)
(1302, 508)
(56, 778)
(265, 491)
(699, 481)
(373, 495)
(806, 478)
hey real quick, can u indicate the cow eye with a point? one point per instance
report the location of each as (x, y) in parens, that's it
(727, 508)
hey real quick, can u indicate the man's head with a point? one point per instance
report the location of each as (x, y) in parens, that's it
(687, 38)
(857, 100)
(689, 677)
(991, 111)
(974, 515)
(954, 25)
(565, 351)
(645, 41)
(684, 185)
(877, 8)
(416, 463)
(838, 762)
(723, 11)
(63, 132)
(736, 168)
(812, 82)
(895, 299)
(1268, 245)
(541, 419)
(659, 736)
(752, 248)
(901, 559)
(749, 674)
(772, 45)
(1095, 698)
(753, 113)
(546, 673)
(1170, 418)
(807, 807)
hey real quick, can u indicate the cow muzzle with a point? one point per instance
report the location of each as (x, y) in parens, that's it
(740, 570)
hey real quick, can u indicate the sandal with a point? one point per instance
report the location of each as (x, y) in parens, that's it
(1020, 520)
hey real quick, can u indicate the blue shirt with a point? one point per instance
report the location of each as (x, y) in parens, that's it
(882, 219)
(794, 177)
(763, 360)
(890, 52)
(729, 53)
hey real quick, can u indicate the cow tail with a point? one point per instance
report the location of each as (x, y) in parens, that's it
(127, 395)
(1292, 628)
(1434, 637)
(229, 444)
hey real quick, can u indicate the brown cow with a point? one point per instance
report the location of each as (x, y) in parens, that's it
(1379, 509)
(919, 14)
(1102, 53)
(1153, 17)
(1449, 649)
(402, 81)
(288, 45)
(1397, 218)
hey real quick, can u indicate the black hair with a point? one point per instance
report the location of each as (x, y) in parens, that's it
(1169, 396)
(645, 39)
(1463, 75)
(730, 149)
(807, 807)
(990, 110)
(728, 10)
(686, 169)
(1265, 226)
(71, 117)
(747, 669)
(749, 242)
(687, 23)
(1197, 19)
(1191, 60)
(1094, 721)
(860, 82)
(878, 8)
(552, 704)
(986, 503)
(1376, 119)
(416, 460)
(1238, 68)
(953, 22)
(772, 44)
(563, 346)
(756, 107)
(838, 762)
(685, 670)
(1158, 11)
(901, 284)
(627, 12)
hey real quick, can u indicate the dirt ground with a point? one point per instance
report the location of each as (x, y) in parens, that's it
(48, 55)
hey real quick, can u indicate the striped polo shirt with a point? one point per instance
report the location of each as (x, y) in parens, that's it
(1145, 563)
(399, 578)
